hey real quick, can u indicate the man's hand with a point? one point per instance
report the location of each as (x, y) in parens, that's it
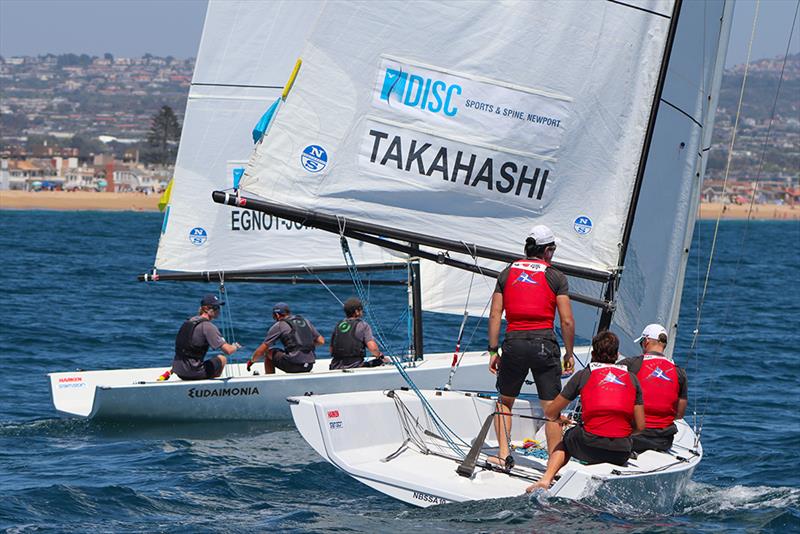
(563, 420)
(494, 362)
(569, 364)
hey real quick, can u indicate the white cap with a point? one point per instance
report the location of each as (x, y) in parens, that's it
(652, 331)
(542, 235)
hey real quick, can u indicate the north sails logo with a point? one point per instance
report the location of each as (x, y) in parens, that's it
(611, 378)
(659, 373)
(195, 393)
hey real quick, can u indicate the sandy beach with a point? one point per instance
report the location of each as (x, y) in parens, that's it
(82, 200)
(79, 200)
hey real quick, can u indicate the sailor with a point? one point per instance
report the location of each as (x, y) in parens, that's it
(611, 400)
(195, 337)
(351, 337)
(530, 291)
(299, 339)
(664, 390)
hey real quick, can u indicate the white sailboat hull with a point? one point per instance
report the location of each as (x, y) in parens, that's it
(361, 434)
(239, 395)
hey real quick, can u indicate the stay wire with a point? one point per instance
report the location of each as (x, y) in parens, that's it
(734, 279)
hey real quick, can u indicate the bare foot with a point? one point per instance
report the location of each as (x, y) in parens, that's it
(541, 484)
(494, 460)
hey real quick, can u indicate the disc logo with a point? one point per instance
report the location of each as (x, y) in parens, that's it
(583, 225)
(198, 236)
(314, 158)
(415, 91)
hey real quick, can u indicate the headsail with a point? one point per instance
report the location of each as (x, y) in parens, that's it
(246, 55)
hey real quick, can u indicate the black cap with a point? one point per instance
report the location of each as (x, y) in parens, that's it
(211, 300)
(352, 305)
(281, 308)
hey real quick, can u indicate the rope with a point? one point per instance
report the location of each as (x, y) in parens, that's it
(309, 271)
(734, 279)
(226, 314)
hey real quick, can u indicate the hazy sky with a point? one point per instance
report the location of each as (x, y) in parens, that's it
(173, 27)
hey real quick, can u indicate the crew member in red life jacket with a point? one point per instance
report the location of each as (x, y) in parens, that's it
(530, 291)
(612, 412)
(195, 337)
(664, 390)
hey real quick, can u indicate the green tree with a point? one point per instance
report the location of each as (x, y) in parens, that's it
(163, 137)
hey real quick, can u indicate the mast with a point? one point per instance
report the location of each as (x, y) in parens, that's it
(607, 315)
(416, 299)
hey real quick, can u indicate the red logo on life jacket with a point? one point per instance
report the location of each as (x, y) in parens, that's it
(529, 302)
(659, 380)
(608, 398)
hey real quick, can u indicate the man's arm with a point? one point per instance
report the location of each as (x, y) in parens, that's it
(373, 348)
(495, 316)
(553, 410)
(259, 353)
(638, 418)
(567, 330)
(229, 349)
(319, 340)
(681, 411)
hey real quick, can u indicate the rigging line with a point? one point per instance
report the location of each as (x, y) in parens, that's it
(323, 284)
(752, 199)
(725, 180)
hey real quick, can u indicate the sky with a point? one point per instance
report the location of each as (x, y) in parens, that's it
(131, 28)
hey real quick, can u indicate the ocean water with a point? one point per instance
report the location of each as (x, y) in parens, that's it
(71, 300)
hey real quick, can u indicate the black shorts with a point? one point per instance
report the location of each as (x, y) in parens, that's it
(197, 370)
(577, 442)
(281, 360)
(539, 355)
(652, 439)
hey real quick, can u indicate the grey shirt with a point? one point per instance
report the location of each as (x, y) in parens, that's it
(207, 332)
(280, 330)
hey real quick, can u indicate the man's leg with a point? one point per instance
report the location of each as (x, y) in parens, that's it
(558, 459)
(502, 426)
(552, 430)
(269, 366)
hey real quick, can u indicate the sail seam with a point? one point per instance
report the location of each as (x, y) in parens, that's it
(246, 86)
(458, 139)
(639, 8)
(676, 108)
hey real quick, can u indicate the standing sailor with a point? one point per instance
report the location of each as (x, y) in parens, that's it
(195, 337)
(351, 337)
(299, 339)
(530, 291)
(664, 390)
(612, 411)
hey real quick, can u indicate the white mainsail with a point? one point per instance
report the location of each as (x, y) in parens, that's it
(473, 122)
(246, 54)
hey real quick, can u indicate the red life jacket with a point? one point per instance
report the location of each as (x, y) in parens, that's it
(659, 380)
(607, 399)
(529, 302)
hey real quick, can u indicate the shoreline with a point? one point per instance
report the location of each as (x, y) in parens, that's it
(94, 201)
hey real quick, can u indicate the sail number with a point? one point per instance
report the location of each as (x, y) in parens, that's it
(246, 220)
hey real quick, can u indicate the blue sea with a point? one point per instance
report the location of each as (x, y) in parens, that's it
(71, 300)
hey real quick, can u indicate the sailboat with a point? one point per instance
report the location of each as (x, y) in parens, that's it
(246, 54)
(453, 127)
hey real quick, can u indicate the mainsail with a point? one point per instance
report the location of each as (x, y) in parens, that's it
(246, 54)
(471, 122)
